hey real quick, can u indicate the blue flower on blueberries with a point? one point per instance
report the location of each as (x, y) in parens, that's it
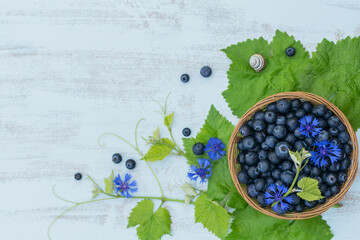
(324, 151)
(214, 148)
(275, 194)
(124, 187)
(203, 171)
(308, 126)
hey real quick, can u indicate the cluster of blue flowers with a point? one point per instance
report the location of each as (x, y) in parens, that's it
(215, 150)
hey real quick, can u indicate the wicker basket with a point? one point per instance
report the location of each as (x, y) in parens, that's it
(235, 167)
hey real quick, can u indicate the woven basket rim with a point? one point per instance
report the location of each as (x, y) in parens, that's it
(234, 167)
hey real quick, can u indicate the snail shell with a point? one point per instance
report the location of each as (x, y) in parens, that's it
(257, 62)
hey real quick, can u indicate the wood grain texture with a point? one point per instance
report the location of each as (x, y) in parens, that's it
(71, 70)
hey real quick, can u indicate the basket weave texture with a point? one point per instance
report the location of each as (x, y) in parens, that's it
(234, 167)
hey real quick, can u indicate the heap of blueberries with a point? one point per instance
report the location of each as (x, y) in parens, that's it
(266, 138)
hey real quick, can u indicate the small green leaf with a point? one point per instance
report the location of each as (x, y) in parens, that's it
(95, 192)
(212, 216)
(188, 189)
(296, 157)
(152, 226)
(169, 119)
(160, 150)
(338, 205)
(109, 183)
(305, 154)
(309, 189)
(188, 199)
(157, 134)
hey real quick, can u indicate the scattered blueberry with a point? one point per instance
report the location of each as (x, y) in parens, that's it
(130, 164)
(199, 148)
(290, 51)
(184, 78)
(186, 132)
(116, 158)
(78, 176)
(205, 71)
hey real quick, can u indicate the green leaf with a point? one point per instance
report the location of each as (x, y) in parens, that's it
(169, 119)
(212, 216)
(159, 150)
(309, 189)
(250, 224)
(305, 154)
(188, 199)
(334, 73)
(215, 125)
(109, 183)
(296, 157)
(156, 134)
(281, 73)
(152, 226)
(188, 189)
(221, 185)
(95, 192)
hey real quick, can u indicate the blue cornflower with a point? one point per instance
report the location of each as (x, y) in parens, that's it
(276, 193)
(308, 126)
(214, 148)
(124, 187)
(325, 150)
(203, 171)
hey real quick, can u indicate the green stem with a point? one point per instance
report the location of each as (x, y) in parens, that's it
(293, 183)
(161, 190)
(172, 138)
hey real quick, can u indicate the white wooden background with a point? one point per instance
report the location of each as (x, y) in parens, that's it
(71, 70)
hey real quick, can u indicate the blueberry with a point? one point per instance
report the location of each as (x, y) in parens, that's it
(282, 150)
(273, 158)
(250, 123)
(263, 166)
(290, 208)
(240, 146)
(199, 148)
(309, 141)
(299, 207)
(270, 117)
(335, 189)
(276, 173)
(328, 114)
(78, 176)
(308, 168)
(310, 204)
(335, 167)
(259, 115)
(280, 132)
(322, 123)
(333, 121)
(259, 137)
(307, 106)
(259, 184)
(341, 127)
(298, 134)
(290, 115)
(271, 141)
(281, 120)
(186, 132)
(116, 158)
(271, 107)
(286, 165)
(347, 148)
(184, 78)
(336, 141)
(270, 129)
(130, 164)
(287, 177)
(245, 130)
(241, 158)
(205, 71)
(290, 51)
(344, 137)
(323, 136)
(279, 183)
(321, 201)
(293, 168)
(251, 190)
(342, 177)
(243, 177)
(259, 125)
(265, 175)
(327, 193)
(283, 106)
(296, 104)
(319, 110)
(315, 171)
(292, 124)
(345, 164)
(299, 145)
(300, 113)
(296, 199)
(264, 146)
(251, 158)
(330, 179)
(320, 180)
(261, 200)
(302, 175)
(249, 143)
(262, 154)
(334, 131)
(269, 181)
(323, 188)
(290, 138)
